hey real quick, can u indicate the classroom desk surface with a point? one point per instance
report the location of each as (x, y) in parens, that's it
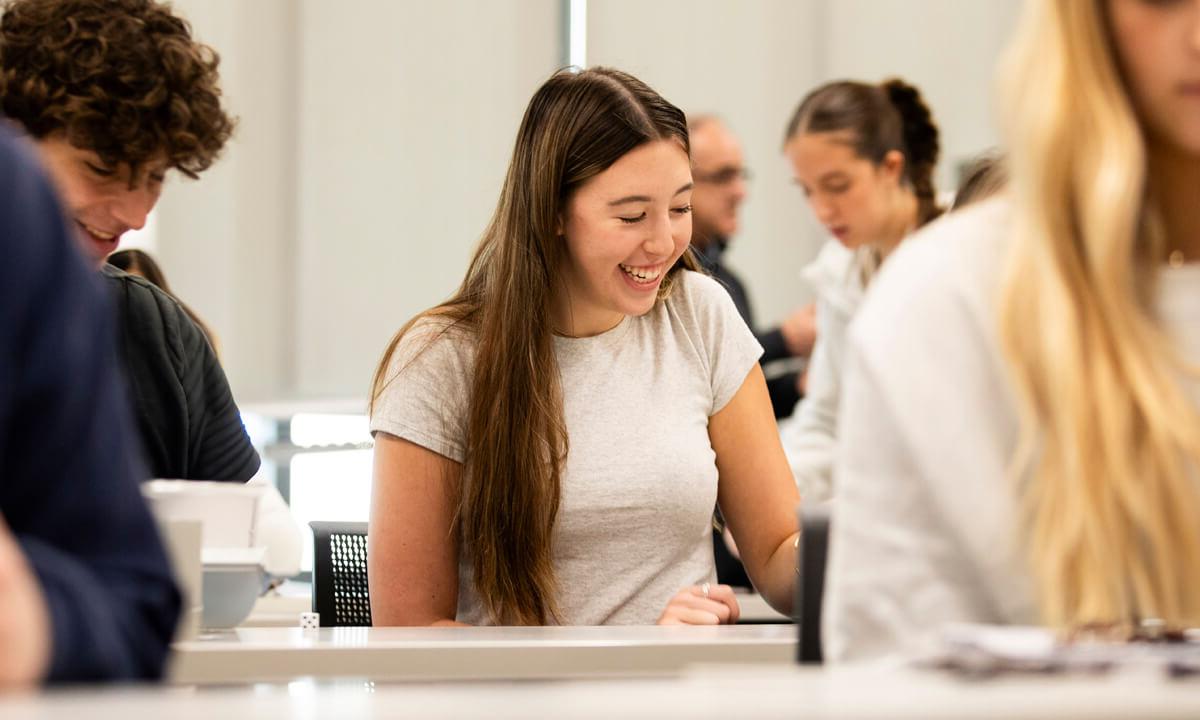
(476, 653)
(283, 609)
(715, 692)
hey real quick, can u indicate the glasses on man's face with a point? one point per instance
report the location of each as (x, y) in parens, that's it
(723, 176)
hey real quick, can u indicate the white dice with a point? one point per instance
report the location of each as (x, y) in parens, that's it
(310, 620)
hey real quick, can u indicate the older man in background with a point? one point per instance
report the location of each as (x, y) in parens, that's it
(719, 172)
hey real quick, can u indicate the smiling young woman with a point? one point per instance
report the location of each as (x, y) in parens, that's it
(551, 441)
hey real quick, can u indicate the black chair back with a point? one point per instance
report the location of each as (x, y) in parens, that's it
(340, 593)
(810, 583)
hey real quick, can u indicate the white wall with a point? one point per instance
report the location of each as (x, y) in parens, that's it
(226, 241)
(947, 48)
(374, 134)
(408, 113)
(372, 140)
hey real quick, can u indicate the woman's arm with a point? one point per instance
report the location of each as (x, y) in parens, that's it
(412, 552)
(757, 495)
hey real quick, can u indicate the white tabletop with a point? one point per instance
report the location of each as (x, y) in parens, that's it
(282, 609)
(743, 691)
(477, 653)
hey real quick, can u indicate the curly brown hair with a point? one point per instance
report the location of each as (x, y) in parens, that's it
(122, 78)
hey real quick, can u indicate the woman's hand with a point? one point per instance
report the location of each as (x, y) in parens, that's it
(702, 605)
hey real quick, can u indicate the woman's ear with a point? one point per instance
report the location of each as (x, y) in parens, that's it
(893, 165)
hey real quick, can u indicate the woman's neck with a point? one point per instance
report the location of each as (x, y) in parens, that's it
(579, 320)
(902, 221)
(1175, 179)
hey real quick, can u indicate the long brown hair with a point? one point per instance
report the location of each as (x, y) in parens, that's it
(881, 118)
(577, 125)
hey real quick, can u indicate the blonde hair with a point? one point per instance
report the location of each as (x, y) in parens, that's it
(1109, 440)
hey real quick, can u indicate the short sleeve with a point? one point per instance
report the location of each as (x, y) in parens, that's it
(729, 348)
(425, 394)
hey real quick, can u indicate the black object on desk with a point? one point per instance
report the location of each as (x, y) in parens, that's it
(340, 592)
(810, 583)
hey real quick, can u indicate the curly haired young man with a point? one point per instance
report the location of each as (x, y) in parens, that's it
(115, 94)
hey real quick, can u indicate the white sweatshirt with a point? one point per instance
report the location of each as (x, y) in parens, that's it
(809, 436)
(925, 527)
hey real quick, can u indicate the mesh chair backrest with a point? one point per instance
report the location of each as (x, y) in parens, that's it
(340, 592)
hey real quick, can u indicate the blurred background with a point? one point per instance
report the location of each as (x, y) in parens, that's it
(374, 134)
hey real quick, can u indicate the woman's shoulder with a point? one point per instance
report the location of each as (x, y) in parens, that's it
(967, 242)
(696, 287)
(942, 280)
(432, 339)
(699, 297)
(437, 327)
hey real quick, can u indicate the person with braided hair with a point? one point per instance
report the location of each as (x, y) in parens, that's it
(864, 155)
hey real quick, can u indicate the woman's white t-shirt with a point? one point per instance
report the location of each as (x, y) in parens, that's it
(924, 530)
(640, 482)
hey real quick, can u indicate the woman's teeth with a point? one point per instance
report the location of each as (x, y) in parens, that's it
(642, 275)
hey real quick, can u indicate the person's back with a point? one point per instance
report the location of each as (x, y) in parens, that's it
(929, 500)
(1026, 448)
(105, 604)
(142, 264)
(191, 428)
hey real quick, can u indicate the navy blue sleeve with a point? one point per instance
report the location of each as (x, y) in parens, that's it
(69, 465)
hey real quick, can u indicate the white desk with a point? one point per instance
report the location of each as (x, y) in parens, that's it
(725, 693)
(283, 610)
(481, 653)
(278, 611)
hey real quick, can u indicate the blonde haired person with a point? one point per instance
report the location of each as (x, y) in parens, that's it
(1021, 435)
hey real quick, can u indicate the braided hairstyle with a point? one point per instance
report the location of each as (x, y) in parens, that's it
(885, 117)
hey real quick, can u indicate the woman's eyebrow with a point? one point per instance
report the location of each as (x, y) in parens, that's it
(646, 198)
